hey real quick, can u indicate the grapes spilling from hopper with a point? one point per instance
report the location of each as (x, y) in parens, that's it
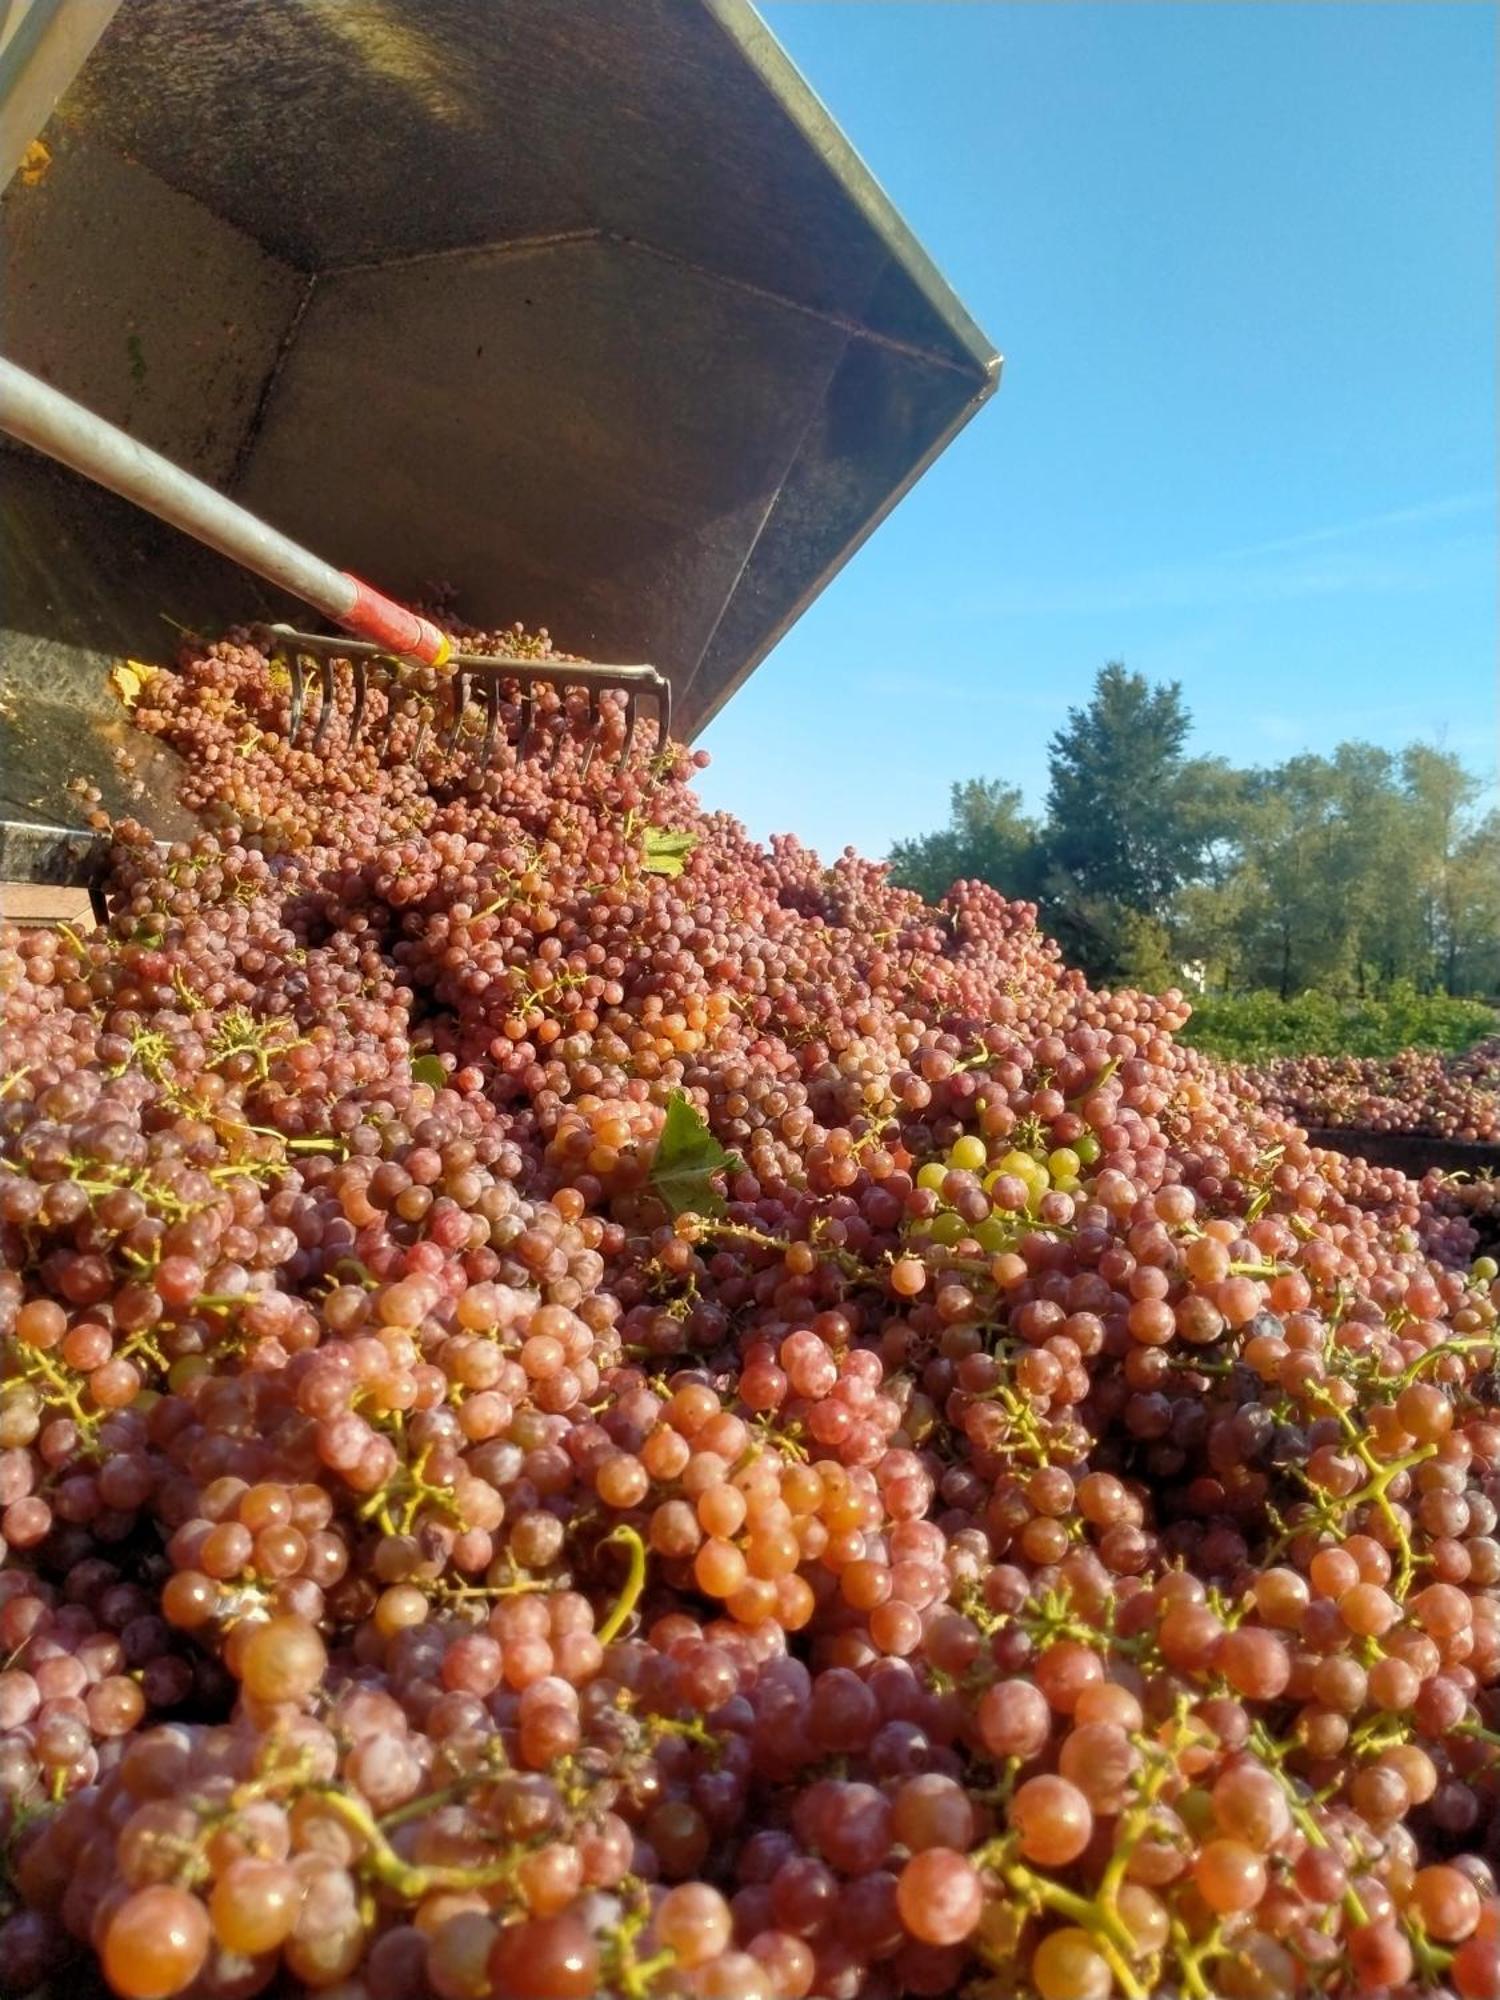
(590, 1407)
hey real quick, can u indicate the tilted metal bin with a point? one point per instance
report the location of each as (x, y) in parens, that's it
(584, 309)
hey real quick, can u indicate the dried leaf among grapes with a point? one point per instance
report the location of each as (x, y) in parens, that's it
(36, 164)
(129, 677)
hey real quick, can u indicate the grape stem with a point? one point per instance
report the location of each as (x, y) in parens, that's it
(691, 1729)
(516, 1586)
(1192, 1957)
(1446, 1347)
(1432, 1961)
(1271, 1755)
(37, 1361)
(404, 1878)
(1138, 1818)
(1104, 1926)
(743, 1232)
(445, 1795)
(635, 1583)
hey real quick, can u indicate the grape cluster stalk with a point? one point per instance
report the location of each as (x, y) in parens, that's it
(589, 1407)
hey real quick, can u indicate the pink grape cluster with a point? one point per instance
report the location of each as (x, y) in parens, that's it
(584, 1413)
(1419, 1090)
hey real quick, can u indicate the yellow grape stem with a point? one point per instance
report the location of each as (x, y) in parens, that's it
(1111, 1938)
(635, 1583)
(405, 1879)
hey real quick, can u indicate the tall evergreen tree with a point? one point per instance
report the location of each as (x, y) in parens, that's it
(1117, 807)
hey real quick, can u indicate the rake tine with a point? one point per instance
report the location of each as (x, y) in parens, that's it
(390, 719)
(492, 718)
(460, 693)
(361, 687)
(596, 724)
(299, 690)
(557, 714)
(325, 713)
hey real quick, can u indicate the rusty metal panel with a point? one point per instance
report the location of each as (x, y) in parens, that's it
(88, 579)
(360, 131)
(823, 510)
(147, 306)
(613, 487)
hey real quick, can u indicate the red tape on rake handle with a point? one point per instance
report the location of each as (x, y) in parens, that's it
(375, 617)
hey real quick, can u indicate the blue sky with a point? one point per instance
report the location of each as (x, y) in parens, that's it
(1240, 259)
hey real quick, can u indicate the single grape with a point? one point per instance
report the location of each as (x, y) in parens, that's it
(155, 1943)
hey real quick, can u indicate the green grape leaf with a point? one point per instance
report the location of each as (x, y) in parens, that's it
(687, 1156)
(429, 1069)
(666, 853)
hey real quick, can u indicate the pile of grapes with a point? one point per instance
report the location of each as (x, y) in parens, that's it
(1419, 1090)
(589, 1408)
(1474, 1197)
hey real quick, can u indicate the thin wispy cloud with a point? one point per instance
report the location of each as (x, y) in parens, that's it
(1455, 506)
(1281, 728)
(1326, 562)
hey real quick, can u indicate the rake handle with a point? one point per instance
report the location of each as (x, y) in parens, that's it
(41, 416)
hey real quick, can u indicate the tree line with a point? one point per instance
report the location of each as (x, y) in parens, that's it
(1348, 873)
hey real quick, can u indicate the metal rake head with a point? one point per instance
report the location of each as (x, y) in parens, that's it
(466, 680)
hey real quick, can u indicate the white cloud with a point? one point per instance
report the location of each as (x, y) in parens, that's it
(1454, 506)
(1338, 560)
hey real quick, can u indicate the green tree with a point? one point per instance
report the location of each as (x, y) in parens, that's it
(1296, 924)
(1278, 879)
(1368, 847)
(1118, 816)
(1350, 874)
(1474, 885)
(1206, 915)
(1440, 795)
(1353, 873)
(988, 838)
(1211, 796)
(1129, 821)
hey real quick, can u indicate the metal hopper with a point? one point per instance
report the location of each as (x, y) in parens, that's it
(583, 308)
